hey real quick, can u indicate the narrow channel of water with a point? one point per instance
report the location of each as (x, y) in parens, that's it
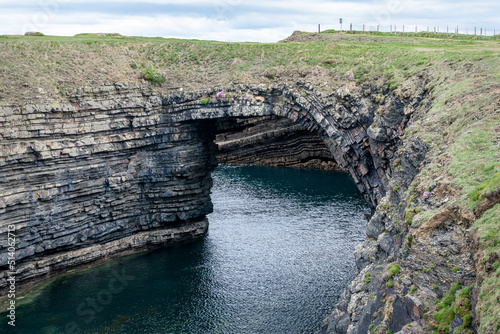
(278, 254)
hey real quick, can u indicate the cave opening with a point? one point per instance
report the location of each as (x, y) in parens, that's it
(271, 141)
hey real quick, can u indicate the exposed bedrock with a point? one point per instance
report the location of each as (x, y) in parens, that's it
(119, 169)
(271, 141)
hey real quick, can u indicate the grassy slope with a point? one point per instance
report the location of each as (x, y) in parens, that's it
(462, 127)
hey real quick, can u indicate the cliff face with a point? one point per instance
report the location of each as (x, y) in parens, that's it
(99, 176)
(271, 141)
(119, 169)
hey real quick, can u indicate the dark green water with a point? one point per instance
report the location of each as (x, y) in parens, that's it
(277, 256)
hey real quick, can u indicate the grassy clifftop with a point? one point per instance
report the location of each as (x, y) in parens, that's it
(461, 128)
(39, 68)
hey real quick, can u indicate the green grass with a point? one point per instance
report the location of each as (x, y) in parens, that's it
(457, 119)
(62, 63)
(488, 229)
(455, 302)
(475, 161)
(393, 269)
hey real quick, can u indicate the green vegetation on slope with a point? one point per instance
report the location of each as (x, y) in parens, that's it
(488, 228)
(56, 64)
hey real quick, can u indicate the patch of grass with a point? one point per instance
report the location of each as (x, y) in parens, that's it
(475, 161)
(154, 76)
(393, 269)
(445, 316)
(487, 306)
(487, 186)
(455, 302)
(367, 278)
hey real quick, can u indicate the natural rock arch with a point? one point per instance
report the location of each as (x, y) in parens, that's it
(343, 120)
(120, 169)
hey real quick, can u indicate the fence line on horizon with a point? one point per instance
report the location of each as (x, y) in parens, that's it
(393, 28)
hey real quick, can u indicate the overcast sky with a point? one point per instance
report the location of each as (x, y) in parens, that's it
(238, 20)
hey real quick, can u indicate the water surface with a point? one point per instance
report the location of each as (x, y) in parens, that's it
(277, 256)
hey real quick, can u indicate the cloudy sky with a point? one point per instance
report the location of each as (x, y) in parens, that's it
(238, 20)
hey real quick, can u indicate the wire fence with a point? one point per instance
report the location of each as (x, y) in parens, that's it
(456, 30)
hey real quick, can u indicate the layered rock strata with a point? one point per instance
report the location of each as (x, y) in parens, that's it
(271, 141)
(119, 169)
(93, 179)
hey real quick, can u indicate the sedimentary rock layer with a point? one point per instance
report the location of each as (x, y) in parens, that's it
(271, 141)
(81, 182)
(119, 169)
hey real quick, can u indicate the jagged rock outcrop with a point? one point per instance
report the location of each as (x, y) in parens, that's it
(271, 141)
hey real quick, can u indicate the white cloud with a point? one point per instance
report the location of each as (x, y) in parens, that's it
(236, 20)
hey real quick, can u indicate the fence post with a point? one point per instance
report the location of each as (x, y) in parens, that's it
(351, 28)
